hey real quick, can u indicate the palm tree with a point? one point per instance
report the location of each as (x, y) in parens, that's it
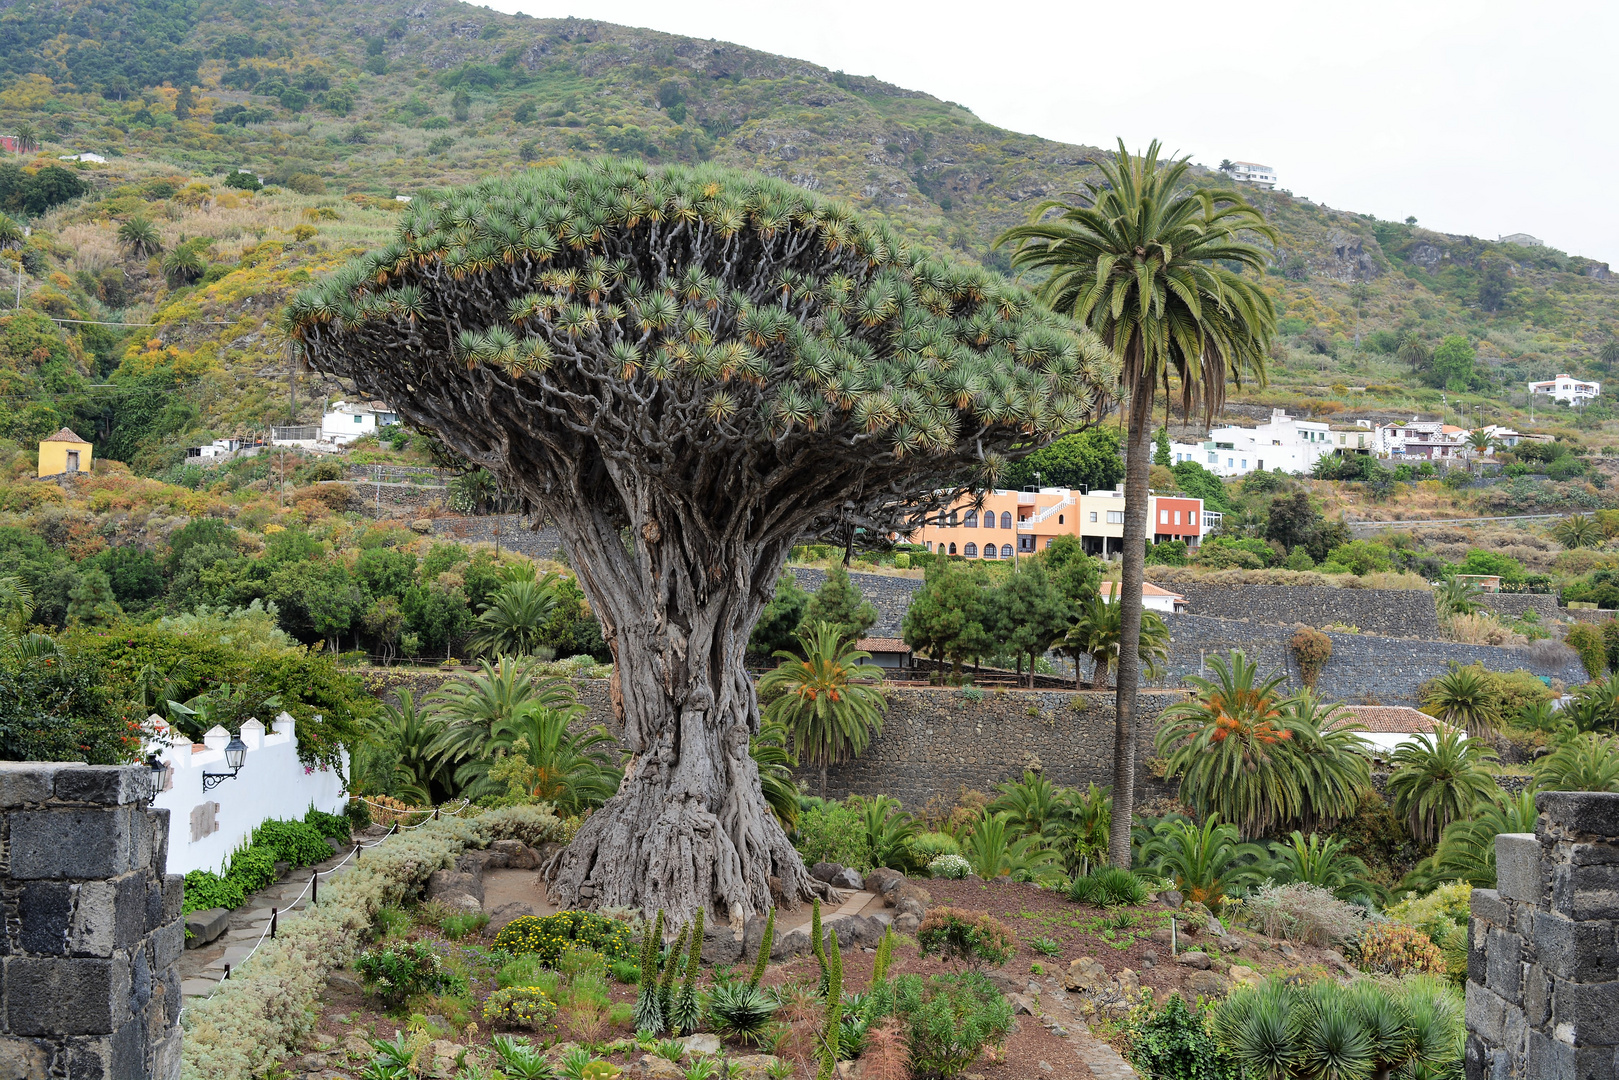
(1440, 779)
(774, 759)
(536, 755)
(27, 137)
(1099, 628)
(995, 850)
(1466, 851)
(1163, 274)
(139, 237)
(407, 733)
(1463, 696)
(1457, 596)
(472, 706)
(1313, 860)
(1414, 351)
(11, 234)
(1078, 830)
(1578, 531)
(514, 620)
(1029, 804)
(184, 265)
(830, 702)
(1204, 860)
(1480, 442)
(1257, 759)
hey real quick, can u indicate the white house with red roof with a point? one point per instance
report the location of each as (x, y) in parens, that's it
(1387, 726)
(1153, 598)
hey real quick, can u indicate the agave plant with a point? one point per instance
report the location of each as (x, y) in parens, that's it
(741, 1011)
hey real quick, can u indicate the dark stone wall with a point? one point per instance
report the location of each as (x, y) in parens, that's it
(1402, 612)
(1513, 604)
(1542, 998)
(936, 741)
(1364, 668)
(92, 925)
(514, 534)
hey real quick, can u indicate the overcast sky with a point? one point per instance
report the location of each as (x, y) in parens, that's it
(1483, 117)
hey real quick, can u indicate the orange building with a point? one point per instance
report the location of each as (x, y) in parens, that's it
(1012, 523)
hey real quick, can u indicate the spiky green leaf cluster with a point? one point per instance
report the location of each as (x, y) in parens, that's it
(777, 311)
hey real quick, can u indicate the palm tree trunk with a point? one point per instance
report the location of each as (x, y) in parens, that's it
(1136, 470)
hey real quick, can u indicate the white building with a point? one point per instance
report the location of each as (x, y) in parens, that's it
(94, 159)
(1567, 389)
(1283, 442)
(1153, 598)
(1385, 727)
(1248, 172)
(1422, 440)
(344, 422)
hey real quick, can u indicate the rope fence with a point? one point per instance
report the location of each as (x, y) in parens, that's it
(311, 888)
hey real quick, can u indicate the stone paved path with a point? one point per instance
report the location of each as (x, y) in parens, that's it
(202, 969)
(852, 905)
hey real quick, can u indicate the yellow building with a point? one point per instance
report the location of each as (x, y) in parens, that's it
(63, 452)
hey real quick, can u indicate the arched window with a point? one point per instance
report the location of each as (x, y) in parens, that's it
(952, 549)
(971, 551)
(1006, 551)
(1059, 519)
(989, 551)
(1006, 519)
(989, 519)
(955, 519)
(972, 519)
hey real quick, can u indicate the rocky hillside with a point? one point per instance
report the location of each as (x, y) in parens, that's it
(341, 108)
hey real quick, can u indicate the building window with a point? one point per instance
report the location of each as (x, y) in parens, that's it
(972, 519)
(1115, 517)
(1228, 462)
(971, 551)
(1093, 515)
(1049, 539)
(1214, 459)
(1059, 519)
(1006, 519)
(1163, 517)
(928, 544)
(989, 519)
(989, 551)
(1006, 551)
(1177, 517)
(952, 549)
(954, 521)
(1245, 463)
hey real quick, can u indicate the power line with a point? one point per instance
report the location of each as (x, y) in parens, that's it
(181, 322)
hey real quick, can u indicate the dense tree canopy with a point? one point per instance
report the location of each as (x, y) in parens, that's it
(709, 365)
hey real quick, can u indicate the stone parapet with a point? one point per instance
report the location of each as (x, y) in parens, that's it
(1543, 948)
(93, 927)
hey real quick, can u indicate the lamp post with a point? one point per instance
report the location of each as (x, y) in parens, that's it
(159, 771)
(235, 755)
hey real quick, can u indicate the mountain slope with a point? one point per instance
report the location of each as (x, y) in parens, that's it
(342, 107)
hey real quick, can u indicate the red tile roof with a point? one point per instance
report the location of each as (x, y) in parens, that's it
(882, 644)
(65, 435)
(1147, 589)
(1390, 719)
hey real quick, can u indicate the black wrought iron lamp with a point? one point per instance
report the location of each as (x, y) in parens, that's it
(159, 770)
(235, 754)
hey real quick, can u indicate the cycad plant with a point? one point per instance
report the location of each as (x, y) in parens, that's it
(1457, 596)
(1029, 804)
(1078, 829)
(1258, 759)
(1578, 531)
(1168, 276)
(829, 701)
(994, 850)
(1205, 861)
(1318, 860)
(537, 757)
(773, 757)
(1464, 696)
(410, 735)
(1466, 850)
(472, 705)
(1586, 761)
(889, 830)
(1439, 778)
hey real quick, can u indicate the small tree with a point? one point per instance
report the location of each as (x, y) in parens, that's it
(1030, 613)
(1160, 448)
(948, 618)
(828, 701)
(777, 627)
(1312, 649)
(840, 605)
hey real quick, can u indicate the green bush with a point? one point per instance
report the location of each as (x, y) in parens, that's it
(1107, 887)
(206, 889)
(403, 970)
(553, 936)
(521, 1006)
(358, 813)
(1586, 640)
(949, 1019)
(975, 938)
(925, 847)
(528, 971)
(292, 841)
(462, 924)
(335, 826)
(252, 868)
(1175, 1043)
(832, 832)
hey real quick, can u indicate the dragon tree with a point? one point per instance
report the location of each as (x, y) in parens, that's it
(688, 370)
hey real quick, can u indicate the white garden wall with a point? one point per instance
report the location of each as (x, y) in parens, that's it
(205, 827)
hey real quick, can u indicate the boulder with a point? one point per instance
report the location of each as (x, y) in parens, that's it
(344, 983)
(1335, 960)
(505, 913)
(1171, 898)
(701, 1044)
(653, 1067)
(911, 891)
(1085, 976)
(1160, 936)
(1243, 975)
(1194, 959)
(518, 855)
(753, 932)
(1288, 952)
(206, 925)
(1022, 1005)
(721, 945)
(337, 845)
(461, 902)
(906, 923)
(476, 862)
(1208, 984)
(754, 1066)
(910, 905)
(848, 878)
(882, 881)
(796, 943)
(1128, 983)
(826, 871)
(855, 930)
(442, 884)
